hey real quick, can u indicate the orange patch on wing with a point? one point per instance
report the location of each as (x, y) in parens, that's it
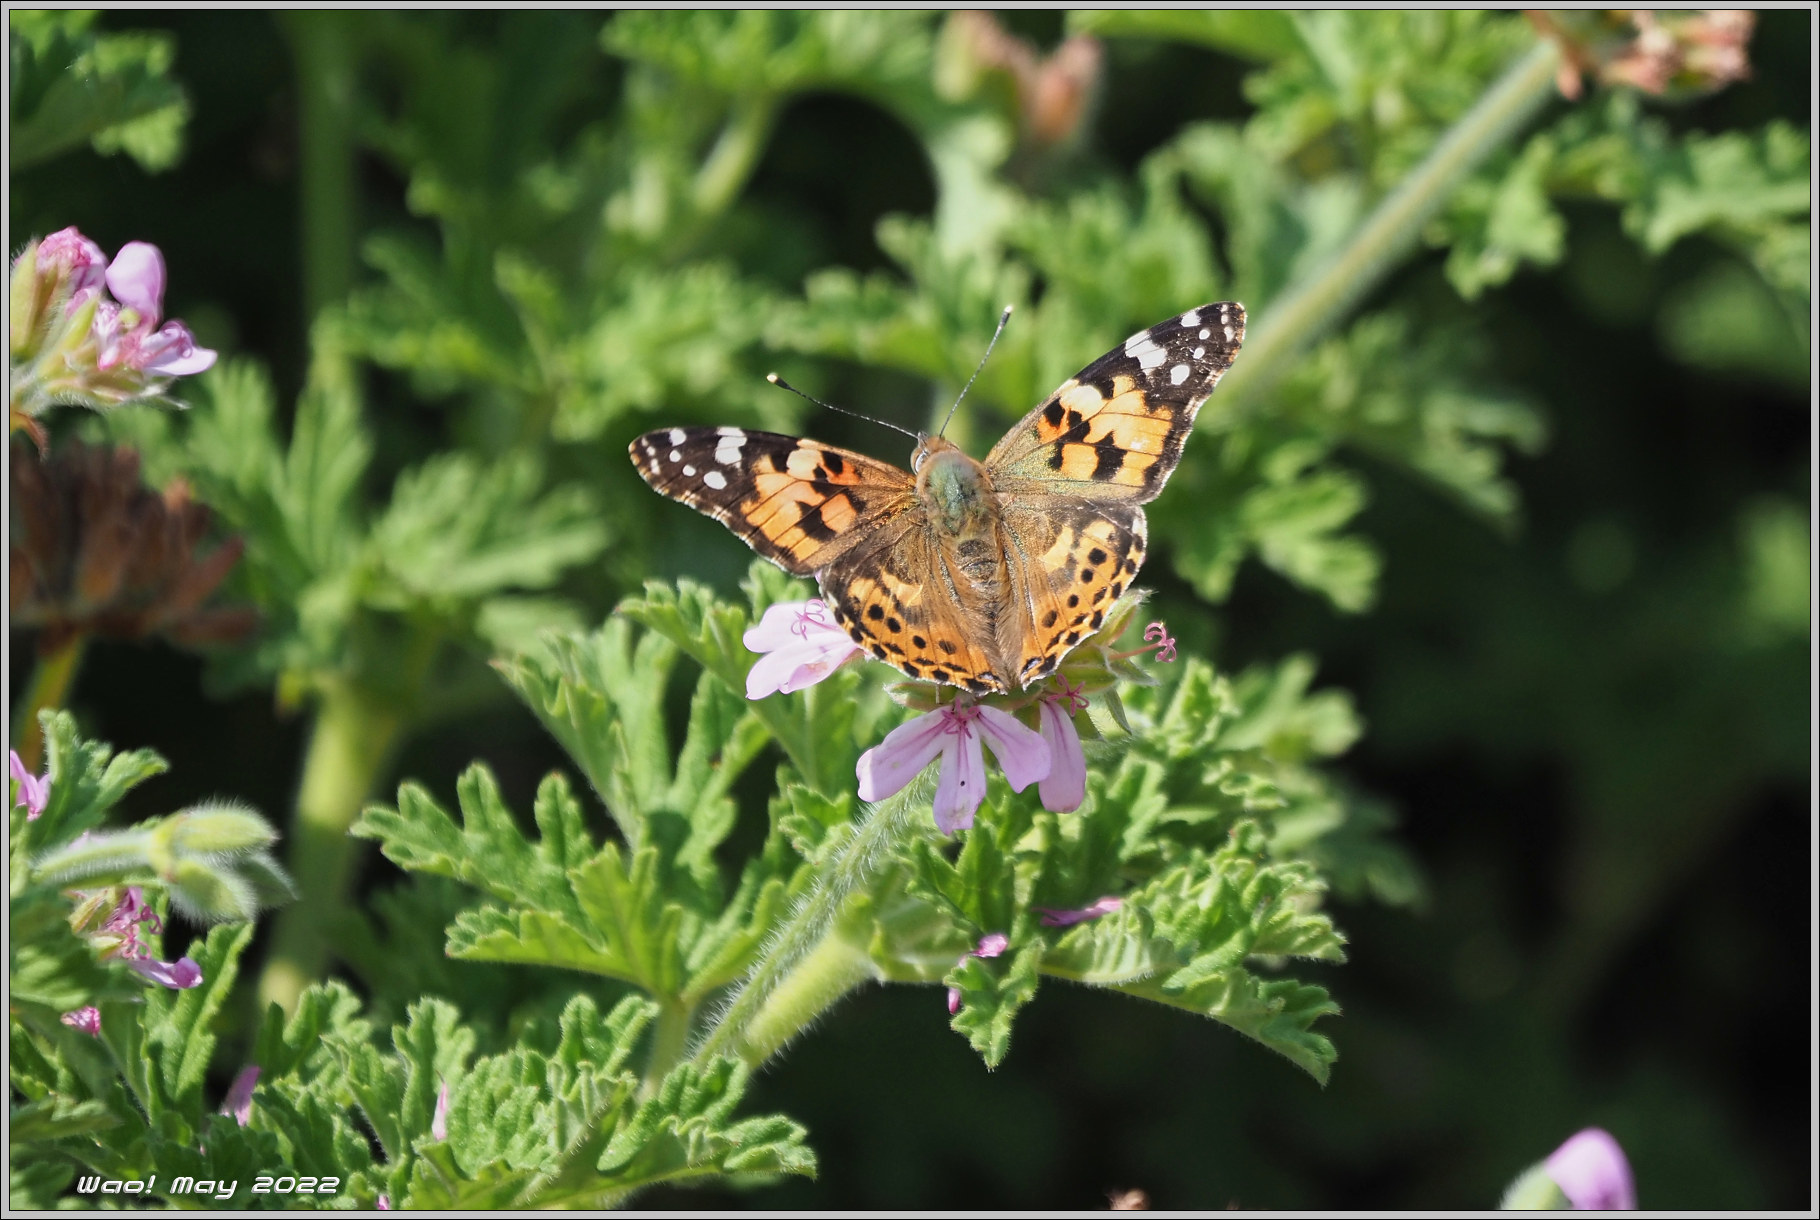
(837, 513)
(1079, 462)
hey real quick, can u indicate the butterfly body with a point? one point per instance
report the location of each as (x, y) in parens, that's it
(982, 575)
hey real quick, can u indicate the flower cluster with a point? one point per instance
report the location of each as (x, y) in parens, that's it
(1671, 52)
(71, 341)
(118, 937)
(800, 645)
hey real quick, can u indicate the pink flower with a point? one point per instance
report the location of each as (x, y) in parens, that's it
(179, 975)
(991, 945)
(34, 790)
(131, 911)
(1158, 635)
(439, 1121)
(132, 334)
(802, 645)
(1065, 787)
(73, 256)
(88, 1020)
(954, 731)
(239, 1099)
(385, 1203)
(1053, 918)
(1591, 1171)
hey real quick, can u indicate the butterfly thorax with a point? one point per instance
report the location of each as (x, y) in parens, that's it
(955, 490)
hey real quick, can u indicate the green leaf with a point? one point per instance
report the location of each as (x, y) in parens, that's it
(177, 1023)
(686, 1132)
(992, 991)
(69, 84)
(457, 530)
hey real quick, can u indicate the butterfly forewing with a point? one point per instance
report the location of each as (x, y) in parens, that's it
(797, 502)
(1115, 429)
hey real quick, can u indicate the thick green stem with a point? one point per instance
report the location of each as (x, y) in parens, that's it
(734, 155)
(809, 926)
(50, 687)
(349, 744)
(828, 972)
(1306, 311)
(321, 43)
(669, 1042)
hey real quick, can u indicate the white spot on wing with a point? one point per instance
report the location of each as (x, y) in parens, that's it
(689, 472)
(1191, 318)
(1142, 348)
(1228, 331)
(677, 436)
(1178, 374)
(1205, 332)
(676, 455)
(731, 441)
(716, 480)
(1198, 352)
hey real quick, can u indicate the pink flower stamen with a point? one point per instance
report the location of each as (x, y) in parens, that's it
(1159, 638)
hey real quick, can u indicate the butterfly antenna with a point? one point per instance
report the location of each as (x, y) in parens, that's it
(775, 380)
(1002, 319)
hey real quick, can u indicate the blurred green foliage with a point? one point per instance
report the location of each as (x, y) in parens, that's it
(1557, 456)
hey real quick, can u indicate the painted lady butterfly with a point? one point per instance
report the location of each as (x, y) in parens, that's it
(977, 574)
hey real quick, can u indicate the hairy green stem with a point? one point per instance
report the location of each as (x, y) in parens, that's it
(804, 933)
(349, 745)
(50, 687)
(321, 44)
(826, 973)
(1306, 311)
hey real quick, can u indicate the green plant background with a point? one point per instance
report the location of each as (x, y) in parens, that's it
(1591, 722)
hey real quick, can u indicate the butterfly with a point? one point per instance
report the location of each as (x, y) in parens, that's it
(981, 575)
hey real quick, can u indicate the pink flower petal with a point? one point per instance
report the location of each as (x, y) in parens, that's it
(239, 1099)
(802, 644)
(179, 975)
(172, 352)
(439, 1122)
(136, 278)
(905, 751)
(1021, 754)
(992, 944)
(75, 256)
(962, 785)
(1053, 918)
(34, 790)
(1065, 787)
(954, 1000)
(782, 624)
(1591, 1171)
(88, 1020)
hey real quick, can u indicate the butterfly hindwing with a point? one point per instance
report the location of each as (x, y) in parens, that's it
(1070, 560)
(905, 604)
(1115, 429)
(798, 503)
